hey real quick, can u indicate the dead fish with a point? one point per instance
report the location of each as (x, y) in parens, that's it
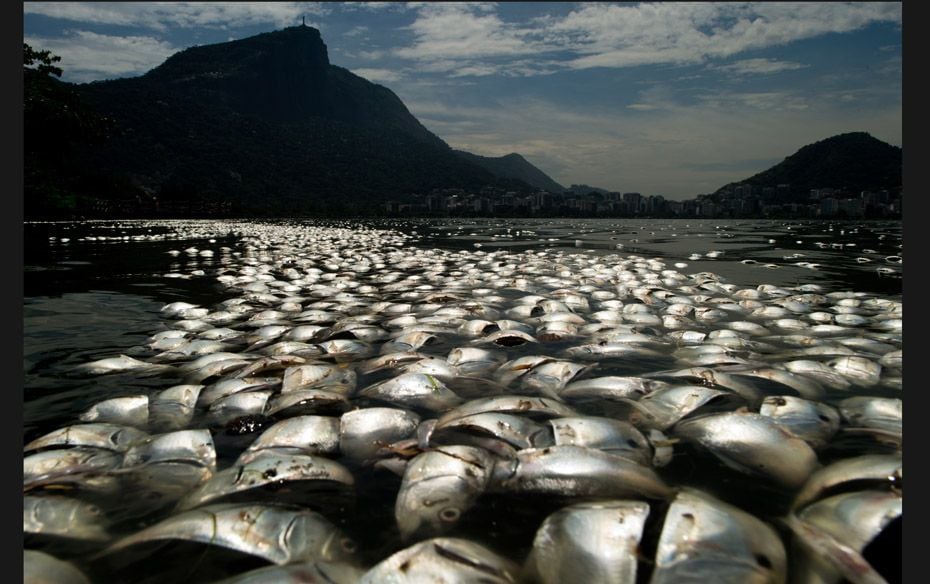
(298, 435)
(860, 370)
(705, 539)
(173, 408)
(514, 404)
(615, 436)
(170, 464)
(831, 534)
(71, 465)
(518, 431)
(416, 390)
(114, 437)
(269, 364)
(276, 534)
(811, 421)
(214, 392)
(549, 377)
(223, 410)
(42, 568)
(269, 467)
(121, 364)
(880, 469)
(594, 542)
(438, 486)
(754, 444)
(881, 413)
(300, 573)
(64, 517)
(362, 433)
(129, 411)
(475, 361)
(301, 402)
(611, 386)
(578, 471)
(664, 407)
(443, 559)
(326, 376)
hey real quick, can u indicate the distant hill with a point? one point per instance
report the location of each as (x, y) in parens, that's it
(262, 125)
(585, 189)
(516, 167)
(852, 162)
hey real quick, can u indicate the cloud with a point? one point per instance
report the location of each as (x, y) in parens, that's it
(161, 15)
(87, 56)
(447, 33)
(618, 35)
(379, 75)
(613, 35)
(759, 66)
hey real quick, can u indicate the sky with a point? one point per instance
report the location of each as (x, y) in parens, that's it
(667, 98)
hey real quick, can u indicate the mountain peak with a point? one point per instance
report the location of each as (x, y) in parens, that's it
(297, 49)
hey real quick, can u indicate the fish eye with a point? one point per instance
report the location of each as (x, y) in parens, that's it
(450, 514)
(348, 545)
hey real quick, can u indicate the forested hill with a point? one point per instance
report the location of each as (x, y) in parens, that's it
(262, 125)
(851, 162)
(514, 166)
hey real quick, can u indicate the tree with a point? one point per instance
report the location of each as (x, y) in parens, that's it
(57, 124)
(41, 61)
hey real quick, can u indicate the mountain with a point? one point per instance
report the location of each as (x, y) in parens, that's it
(583, 189)
(516, 167)
(851, 162)
(262, 125)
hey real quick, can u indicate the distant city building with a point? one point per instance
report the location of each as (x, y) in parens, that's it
(633, 202)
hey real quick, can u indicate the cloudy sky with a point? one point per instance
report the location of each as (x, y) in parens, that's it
(668, 98)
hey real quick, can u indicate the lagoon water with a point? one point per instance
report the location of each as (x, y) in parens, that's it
(94, 289)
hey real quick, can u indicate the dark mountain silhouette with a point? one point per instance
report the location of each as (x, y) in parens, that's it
(851, 162)
(514, 166)
(262, 125)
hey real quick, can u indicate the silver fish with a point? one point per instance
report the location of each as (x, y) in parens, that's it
(607, 434)
(326, 376)
(416, 390)
(121, 364)
(881, 469)
(64, 517)
(226, 387)
(518, 431)
(279, 535)
(268, 467)
(300, 573)
(832, 533)
(173, 408)
(300, 435)
(881, 413)
(70, 465)
(363, 432)
(42, 568)
(300, 402)
(754, 444)
(588, 542)
(813, 422)
(443, 559)
(438, 487)
(129, 411)
(704, 539)
(570, 470)
(516, 404)
(109, 436)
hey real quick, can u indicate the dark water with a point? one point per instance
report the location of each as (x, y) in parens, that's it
(94, 290)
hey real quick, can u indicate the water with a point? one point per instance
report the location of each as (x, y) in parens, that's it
(95, 289)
